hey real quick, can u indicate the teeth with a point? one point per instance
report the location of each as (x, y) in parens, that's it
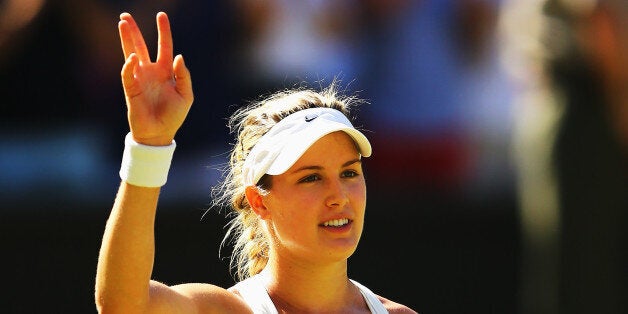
(336, 222)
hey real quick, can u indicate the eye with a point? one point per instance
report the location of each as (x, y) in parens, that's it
(310, 178)
(349, 174)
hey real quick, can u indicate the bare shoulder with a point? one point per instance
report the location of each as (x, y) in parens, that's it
(208, 298)
(395, 308)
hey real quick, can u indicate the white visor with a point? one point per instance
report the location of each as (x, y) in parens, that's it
(278, 149)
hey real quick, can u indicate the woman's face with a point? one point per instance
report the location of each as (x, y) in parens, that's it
(317, 206)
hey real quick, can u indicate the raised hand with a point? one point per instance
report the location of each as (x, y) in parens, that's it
(158, 94)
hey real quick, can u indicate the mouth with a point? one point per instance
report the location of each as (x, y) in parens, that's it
(337, 223)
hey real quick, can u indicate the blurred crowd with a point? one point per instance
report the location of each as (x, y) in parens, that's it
(438, 98)
(472, 98)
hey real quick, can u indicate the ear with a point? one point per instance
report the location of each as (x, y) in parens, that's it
(256, 200)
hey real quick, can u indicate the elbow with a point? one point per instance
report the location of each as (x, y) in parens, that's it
(107, 306)
(108, 309)
(102, 306)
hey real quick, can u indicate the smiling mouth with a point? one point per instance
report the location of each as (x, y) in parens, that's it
(336, 222)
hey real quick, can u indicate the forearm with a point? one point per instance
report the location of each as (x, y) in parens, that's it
(127, 253)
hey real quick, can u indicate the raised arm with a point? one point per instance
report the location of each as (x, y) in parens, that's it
(158, 97)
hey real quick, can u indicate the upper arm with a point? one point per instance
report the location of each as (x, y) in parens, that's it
(194, 298)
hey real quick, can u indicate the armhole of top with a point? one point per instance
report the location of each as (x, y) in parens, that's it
(254, 294)
(371, 299)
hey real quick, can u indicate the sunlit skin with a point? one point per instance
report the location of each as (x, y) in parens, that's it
(325, 184)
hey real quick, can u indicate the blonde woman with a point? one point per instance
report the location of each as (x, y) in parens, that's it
(295, 182)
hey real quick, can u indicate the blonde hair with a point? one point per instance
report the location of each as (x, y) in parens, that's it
(250, 242)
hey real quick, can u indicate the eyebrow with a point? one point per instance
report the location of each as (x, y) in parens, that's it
(346, 164)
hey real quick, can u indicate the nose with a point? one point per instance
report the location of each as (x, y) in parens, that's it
(337, 196)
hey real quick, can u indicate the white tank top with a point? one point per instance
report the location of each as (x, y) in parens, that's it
(254, 293)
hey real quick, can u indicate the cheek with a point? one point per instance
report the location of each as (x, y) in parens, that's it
(292, 209)
(358, 192)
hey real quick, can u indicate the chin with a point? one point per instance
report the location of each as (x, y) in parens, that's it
(343, 249)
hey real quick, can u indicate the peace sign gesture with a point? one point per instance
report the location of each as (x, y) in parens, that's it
(158, 94)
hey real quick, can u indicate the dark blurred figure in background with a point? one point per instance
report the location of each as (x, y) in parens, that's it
(571, 142)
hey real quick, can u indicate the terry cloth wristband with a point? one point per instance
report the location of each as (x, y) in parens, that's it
(144, 165)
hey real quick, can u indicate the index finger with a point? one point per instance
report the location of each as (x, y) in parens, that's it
(131, 38)
(164, 42)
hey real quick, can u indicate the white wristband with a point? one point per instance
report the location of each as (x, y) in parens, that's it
(144, 165)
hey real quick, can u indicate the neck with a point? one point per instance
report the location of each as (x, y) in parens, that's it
(311, 287)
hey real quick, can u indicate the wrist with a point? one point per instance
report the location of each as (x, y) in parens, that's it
(146, 165)
(152, 141)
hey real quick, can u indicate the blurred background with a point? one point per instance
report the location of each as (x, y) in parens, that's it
(498, 182)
